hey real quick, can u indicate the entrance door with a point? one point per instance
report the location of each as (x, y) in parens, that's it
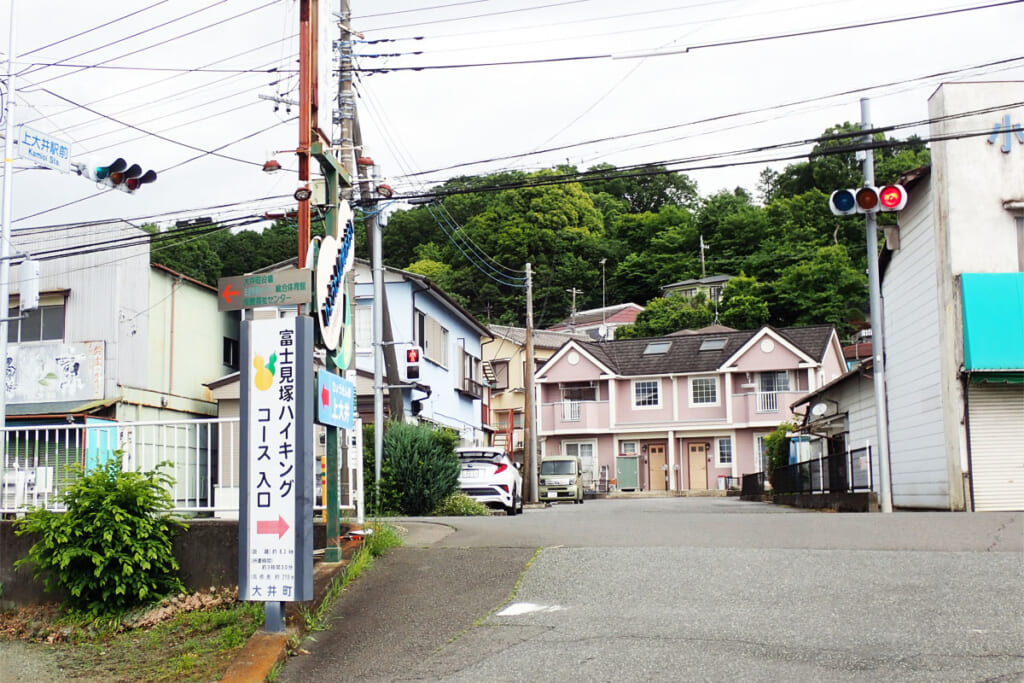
(698, 466)
(657, 470)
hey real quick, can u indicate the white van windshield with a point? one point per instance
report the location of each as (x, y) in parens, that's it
(557, 467)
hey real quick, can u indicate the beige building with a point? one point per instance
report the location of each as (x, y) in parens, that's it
(504, 357)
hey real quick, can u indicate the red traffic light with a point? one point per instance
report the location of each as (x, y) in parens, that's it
(412, 356)
(892, 198)
(412, 363)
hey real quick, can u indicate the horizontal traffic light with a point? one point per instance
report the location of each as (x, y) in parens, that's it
(120, 176)
(868, 199)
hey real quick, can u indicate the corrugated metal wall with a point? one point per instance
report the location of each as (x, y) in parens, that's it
(997, 445)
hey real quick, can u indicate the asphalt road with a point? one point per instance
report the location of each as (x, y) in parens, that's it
(677, 589)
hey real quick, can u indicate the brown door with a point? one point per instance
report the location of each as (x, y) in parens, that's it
(698, 466)
(657, 472)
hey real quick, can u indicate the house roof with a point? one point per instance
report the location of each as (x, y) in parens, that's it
(627, 357)
(862, 368)
(597, 315)
(717, 329)
(709, 280)
(545, 339)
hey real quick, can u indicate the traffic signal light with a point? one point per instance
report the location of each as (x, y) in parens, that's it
(868, 200)
(120, 176)
(412, 363)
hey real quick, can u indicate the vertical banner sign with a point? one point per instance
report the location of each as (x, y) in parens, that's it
(276, 510)
(334, 261)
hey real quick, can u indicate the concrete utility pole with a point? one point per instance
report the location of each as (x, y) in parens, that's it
(877, 327)
(5, 237)
(529, 421)
(703, 248)
(572, 316)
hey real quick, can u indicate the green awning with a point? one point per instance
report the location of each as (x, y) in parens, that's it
(993, 321)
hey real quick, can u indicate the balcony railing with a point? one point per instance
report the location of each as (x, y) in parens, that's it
(768, 401)
(571, 411)
(471, 387)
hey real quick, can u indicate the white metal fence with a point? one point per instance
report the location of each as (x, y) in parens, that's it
(40, 461)
(202, 457)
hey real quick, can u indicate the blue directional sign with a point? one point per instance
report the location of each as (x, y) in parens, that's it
(336, 401)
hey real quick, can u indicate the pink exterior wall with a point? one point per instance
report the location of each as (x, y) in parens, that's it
(562, 371)
(755, 360)
(699, 412)
(626, 413)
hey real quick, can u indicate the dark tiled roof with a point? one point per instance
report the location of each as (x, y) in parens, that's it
(626, 356)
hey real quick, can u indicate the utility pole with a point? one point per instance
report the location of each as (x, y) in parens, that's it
(572, 317)
(877, 326)
(5, 237)
(529, 423)
(703, 248)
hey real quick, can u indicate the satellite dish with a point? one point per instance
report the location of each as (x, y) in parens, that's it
(603, 331)
(819, 409)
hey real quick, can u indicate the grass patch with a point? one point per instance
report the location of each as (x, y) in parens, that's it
(460, 505)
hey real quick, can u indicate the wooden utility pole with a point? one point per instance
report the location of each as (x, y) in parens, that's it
(529, 423)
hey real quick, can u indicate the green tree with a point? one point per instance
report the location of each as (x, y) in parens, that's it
(645, 189)
(743, 306)
(827, 288)
(668, 314)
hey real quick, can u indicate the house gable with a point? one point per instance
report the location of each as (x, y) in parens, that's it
(571, 363)
(768, 346)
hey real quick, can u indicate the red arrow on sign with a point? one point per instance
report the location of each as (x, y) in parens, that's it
(228, 293)
(278, 527)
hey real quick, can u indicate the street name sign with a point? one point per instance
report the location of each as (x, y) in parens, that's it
(335, 400)
(44, 149)
(280, 288)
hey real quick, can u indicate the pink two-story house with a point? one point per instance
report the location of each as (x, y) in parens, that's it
(681, 411)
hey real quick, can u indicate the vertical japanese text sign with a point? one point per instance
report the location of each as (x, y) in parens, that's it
(275, 553)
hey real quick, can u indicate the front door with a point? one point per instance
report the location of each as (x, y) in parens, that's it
(698, 466)
(628, 473)
(657, 472)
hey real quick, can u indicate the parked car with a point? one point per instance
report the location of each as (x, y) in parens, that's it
(489, 476)
(561, 478)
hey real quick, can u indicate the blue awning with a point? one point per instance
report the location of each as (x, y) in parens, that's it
(993, 321)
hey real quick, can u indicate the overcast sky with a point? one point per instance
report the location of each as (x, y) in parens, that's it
(612, 81)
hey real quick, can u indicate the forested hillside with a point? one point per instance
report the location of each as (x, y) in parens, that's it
(799, 263)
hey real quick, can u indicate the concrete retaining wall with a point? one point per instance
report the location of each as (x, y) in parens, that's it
(207, 553)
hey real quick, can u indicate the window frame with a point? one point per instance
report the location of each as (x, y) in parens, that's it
(692, 384)
(719, 462)
(15, 323)
(635, 384)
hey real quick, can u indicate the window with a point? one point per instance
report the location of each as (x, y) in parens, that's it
(724, 452)
(43, 324)
(657, 348)
(231, 353)
(703, 391)
(712, 344)
(501, 419)
(585, 452)
(363, 319)
(760, 456)
(432, 337)
(773, 381)
(647, 393)
(470, 376)
(628, 448)
(583, 391)
(500, 368)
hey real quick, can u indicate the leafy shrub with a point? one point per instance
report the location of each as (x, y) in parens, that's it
(776, 447)
(419, 469)
(111, 550)
(460, 505)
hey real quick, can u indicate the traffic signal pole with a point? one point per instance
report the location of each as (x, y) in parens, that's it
(5, 228)
(877, 327)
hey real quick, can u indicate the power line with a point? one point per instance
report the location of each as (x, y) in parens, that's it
(484, 15)
(683, 50)
(94, 28)
(718, 117)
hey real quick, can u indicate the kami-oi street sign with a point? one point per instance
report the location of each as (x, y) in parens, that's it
(44, 149)
(335, 400)
(280, 288)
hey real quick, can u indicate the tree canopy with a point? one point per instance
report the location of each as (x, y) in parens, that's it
(615, 236)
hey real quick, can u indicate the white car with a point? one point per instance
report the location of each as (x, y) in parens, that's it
(489, 476)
